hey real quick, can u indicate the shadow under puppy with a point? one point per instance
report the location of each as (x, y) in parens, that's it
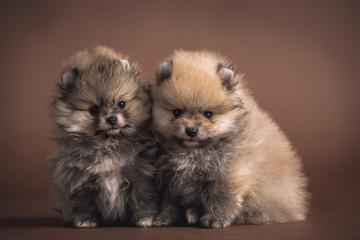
(100, 168)
(224, 160)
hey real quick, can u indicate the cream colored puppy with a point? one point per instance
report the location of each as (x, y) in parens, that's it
(225, 161)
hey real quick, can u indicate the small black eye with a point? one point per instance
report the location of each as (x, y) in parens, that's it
(208, 114)
(94, 110)
(177, 113)
(122, 104)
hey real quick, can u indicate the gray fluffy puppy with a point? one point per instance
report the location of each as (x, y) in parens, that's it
(100, 168)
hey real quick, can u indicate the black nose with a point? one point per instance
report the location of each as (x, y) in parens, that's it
(191, 132)
(111, 120)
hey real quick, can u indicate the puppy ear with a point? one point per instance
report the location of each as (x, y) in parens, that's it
(125, 64)
(227, 77)
(68, 77)
(164, 71)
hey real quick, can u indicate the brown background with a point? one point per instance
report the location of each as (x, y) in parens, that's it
(301, 59)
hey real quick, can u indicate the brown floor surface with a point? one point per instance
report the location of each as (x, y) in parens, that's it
(36, 220)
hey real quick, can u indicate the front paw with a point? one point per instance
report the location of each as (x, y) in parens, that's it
(144, 222)
(192, 217)
(211, 221)
(161, 221)
(85, 223)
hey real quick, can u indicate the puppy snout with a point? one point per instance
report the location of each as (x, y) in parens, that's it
(111, 120)
(191, 132)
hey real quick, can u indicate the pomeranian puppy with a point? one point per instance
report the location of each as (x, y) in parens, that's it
(100, 168)
(224, 160)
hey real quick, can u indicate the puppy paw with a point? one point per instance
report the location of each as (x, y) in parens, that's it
(85, 224)
(144, 222)
(162, 222)
(192, 216)
(210, 221)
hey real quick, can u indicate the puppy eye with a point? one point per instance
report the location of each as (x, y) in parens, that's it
(94, 110)
(122, 104)
(177, 113)
(208, 114)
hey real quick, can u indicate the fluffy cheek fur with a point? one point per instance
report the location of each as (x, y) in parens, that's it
(82, 122)
(162, 118)
(74, 121)
(139, 111)
(209, 129)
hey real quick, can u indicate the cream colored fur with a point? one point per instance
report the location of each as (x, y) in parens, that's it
(262, 171)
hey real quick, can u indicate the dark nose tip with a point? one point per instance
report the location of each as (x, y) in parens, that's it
(191, 132)
(111, 120)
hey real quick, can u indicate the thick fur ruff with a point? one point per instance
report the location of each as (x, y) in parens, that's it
(224, 160)
(100, 168)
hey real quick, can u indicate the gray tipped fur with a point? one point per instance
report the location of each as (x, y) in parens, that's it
(164, 71)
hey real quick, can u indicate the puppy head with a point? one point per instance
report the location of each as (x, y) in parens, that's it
(100, 95)
(197, 99)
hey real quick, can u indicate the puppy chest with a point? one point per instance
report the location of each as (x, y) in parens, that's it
(187, 183)
(195, 171)
(192, 180)
(110, 188)
(110, 179)
(106, 166)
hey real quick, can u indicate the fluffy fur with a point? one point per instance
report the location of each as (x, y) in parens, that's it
(224, 160)
(100, 166)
